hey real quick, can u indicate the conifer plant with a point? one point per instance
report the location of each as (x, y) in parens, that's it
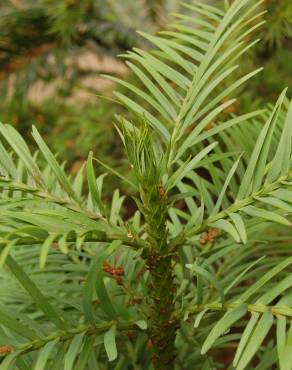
(199, 275)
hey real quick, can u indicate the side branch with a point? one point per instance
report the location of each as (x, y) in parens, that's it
(216, 306)
(63, 336)
(235, 207)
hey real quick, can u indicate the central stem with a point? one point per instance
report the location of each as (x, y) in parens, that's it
(162, 287)
(163, 330)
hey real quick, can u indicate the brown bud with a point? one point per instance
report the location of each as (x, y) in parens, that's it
(119, 280)
(5, 349)
(150, 343)
(161, 192)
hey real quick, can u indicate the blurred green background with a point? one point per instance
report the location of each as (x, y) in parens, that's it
(52, 53)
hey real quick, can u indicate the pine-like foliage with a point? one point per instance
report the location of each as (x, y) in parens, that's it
(199, 277)
(50, 53)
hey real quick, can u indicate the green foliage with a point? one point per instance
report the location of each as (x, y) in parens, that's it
(279, 20)
(202, 265)
(50, 53)
(271, 53)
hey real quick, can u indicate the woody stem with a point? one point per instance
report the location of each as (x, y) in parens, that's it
(162, 288)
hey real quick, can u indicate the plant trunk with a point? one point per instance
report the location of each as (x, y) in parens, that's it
(163, 331)
(159, 263)
(162, 287)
